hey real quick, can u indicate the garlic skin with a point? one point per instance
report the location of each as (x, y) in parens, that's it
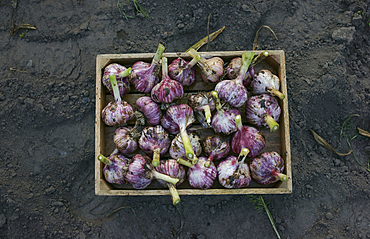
(141, 173)
(247, 137)
(154, 141)
(202, 102)
(211, 69)
(268, 168)
(115, 169)
(263, 111)
(117, 113)
(183, 71)
(266, 82)
(124, 140)
(167, 90)
(176, 117)
(171, 168)
(200, 176)
(233, 174)
(150, 109)
(177, 149)
(223, 120)
(145, 76)
(233, 69)
(233, 91)
(122, 81)
(216, 148)
(138, 174)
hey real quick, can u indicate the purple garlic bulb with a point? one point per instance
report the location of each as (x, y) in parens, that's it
(116, 166)
(216, 148)
(176, 120)
(200, 176)
(233, 69)
(154, 141)
(171, 168)
(268, 168)
(233, 91)
(183, 71)
(141, 172)
(266, 82)
(233, 173)
(125, 138)
(167, 90)
(263, 110)
(247, 137)
(117, 112)
(177, 149)
(122, 78)
(211, 69)
(144, 75)
(202, 102)
(223, 120)
(150, 109)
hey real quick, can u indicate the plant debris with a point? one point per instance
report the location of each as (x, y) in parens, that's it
(321, 141)
(259, 204)
(363, 132)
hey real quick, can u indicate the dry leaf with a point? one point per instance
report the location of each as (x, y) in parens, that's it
(206, 39)
(363, 132)
(326, 145)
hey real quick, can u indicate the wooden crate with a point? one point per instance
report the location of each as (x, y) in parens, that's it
(275, 141)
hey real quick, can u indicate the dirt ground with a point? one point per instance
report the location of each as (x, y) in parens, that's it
(47, 103)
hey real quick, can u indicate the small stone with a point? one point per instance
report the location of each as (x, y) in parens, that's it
(57, 204)
(50, 190)
(86, 100)
(2, 97)
(29, 64)
(181, 26)
(329, 216)
(344, 34)
(245, 7)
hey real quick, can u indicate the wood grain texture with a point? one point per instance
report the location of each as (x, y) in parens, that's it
(275, 141)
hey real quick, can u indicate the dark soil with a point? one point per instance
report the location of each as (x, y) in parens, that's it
(47, 105)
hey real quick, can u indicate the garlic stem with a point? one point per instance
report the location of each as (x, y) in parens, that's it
(238, 122)
(156, 155)
(281, 176)
(116, 94)
(273, 125)
(244, 152)
(259, 58)
(276, 93)
(194, 61)
(164, 68)
(165, 177)
(247, 58)
(209, 160)
(174, 194)
(207, 113)
(202, 61)
(218, 102)
(126, 72)
(184, 162)
(104, 159)
(158, 54)
(187, 145)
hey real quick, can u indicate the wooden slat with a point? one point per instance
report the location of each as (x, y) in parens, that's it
(276, 141)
